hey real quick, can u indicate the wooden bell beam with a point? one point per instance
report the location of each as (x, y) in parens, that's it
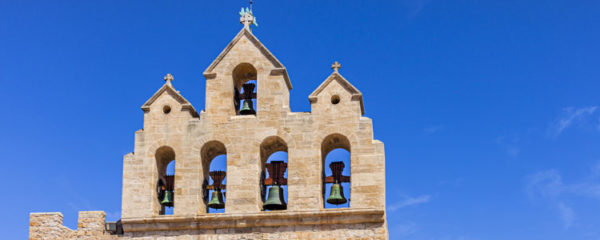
(276, 173)
(217, 177)
(336, 173)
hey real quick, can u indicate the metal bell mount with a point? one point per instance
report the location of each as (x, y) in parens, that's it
(248, 95)
(216, 200)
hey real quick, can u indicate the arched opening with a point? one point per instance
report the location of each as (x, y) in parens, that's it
(244, 89)
(274, 160)
(335, 154)
(165, 184)
(214, 165)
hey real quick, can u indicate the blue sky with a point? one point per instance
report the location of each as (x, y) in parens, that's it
(488, 109)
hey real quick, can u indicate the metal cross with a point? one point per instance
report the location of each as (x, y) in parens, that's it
(336, 66)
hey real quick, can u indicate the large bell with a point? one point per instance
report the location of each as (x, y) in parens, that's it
(216, 201)
(275, 199)
(336, 196)
(247, 108)
(167, 199)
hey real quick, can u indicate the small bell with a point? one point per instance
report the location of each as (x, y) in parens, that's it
(167, 199)
(336, 195)
(247, 108)
(216, 201)
(275, 199)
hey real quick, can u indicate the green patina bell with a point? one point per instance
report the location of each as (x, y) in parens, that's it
(216, 201)
(337, 195)
(247, 108)
(275, 199)
(167, 199)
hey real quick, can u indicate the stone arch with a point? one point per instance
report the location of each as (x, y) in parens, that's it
(284, 137)
(242, 73)
(351, 137)
(209, 151)
(330, 143)
(159, 143)
(269, 146)
(201, 141)
(334, 141)
(163, 156)
(164, 182)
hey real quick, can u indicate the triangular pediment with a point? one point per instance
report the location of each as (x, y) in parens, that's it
(335, 76)
(169, 89)
(278, 67)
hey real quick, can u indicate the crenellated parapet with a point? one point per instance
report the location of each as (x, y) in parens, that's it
(90, 225)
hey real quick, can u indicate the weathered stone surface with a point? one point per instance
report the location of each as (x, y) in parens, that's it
(49, 226)
(174, 130)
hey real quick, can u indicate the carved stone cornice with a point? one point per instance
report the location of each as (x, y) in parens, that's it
(248, 220)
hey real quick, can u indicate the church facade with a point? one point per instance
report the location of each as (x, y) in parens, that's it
(246, 120)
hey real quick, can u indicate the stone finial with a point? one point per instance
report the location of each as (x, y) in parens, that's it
(336, 66)
(168, 78)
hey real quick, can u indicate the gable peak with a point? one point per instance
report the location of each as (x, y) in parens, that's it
(337, 77)
(278, 67)
(168, 87)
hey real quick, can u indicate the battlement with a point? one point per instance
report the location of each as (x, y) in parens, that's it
(49, 225)
(346, 224)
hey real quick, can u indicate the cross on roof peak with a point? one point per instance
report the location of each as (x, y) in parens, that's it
(247, 18)
(336, 66)
(168, 78)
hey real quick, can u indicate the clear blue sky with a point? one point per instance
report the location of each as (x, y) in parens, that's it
(488, 109)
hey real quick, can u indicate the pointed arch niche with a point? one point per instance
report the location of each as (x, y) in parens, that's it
(273, 150)
(245, 89)
(214, 163)
(165, 184)
(335, 154)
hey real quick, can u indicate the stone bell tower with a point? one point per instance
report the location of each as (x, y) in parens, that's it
(278, 183)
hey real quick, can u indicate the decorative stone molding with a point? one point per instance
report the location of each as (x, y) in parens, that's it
(248, 220)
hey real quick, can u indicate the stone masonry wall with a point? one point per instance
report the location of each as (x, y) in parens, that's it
(192, 137)
(48, 226)
(90, 225)
(303, 134)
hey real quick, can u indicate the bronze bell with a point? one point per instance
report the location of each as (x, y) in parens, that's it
(247, 108)
(216, 200)
(275, 199)
(336, 196)
(167, 199)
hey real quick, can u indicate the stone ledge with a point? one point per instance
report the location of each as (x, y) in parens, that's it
(247, 220)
